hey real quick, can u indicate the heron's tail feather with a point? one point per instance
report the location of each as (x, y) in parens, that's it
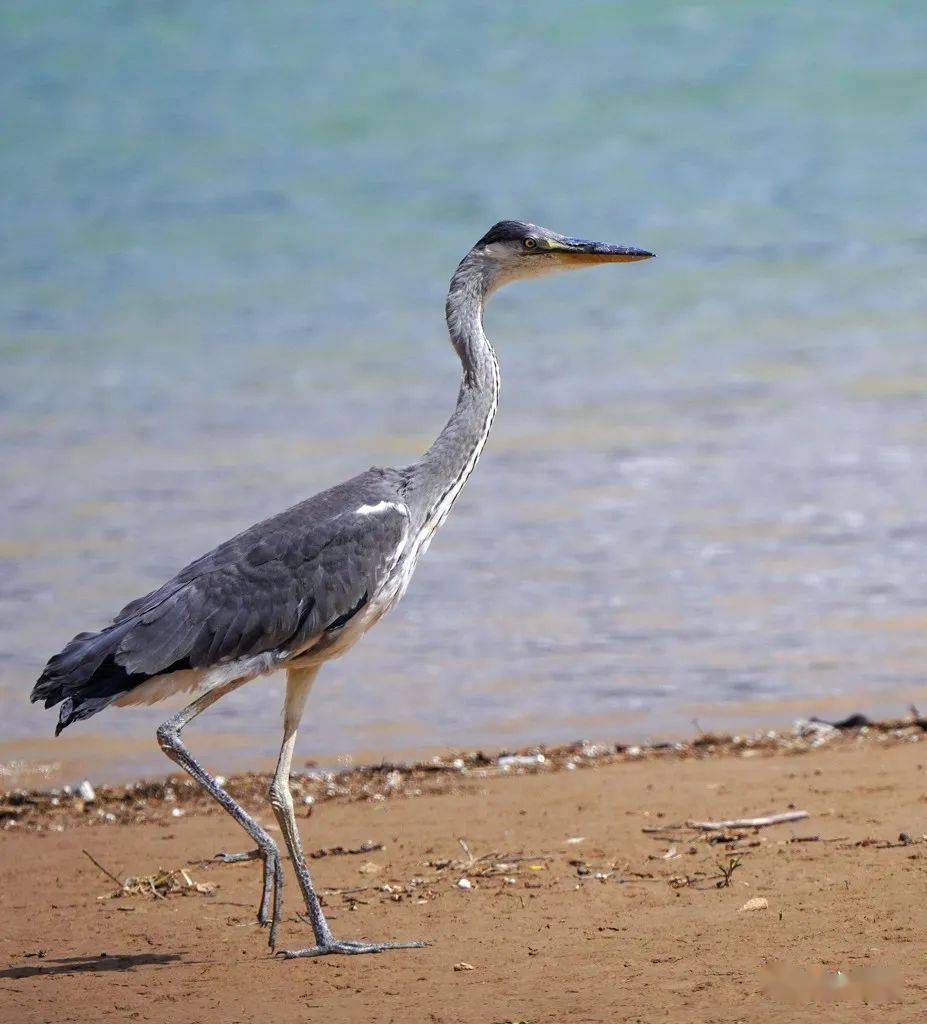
(85, 677)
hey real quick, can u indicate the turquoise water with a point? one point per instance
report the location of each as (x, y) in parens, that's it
(227, 230)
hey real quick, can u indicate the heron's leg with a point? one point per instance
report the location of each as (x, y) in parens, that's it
(170, 742)
(299, 682)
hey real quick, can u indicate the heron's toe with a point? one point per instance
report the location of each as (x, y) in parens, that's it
(237, 858)
(348, 948)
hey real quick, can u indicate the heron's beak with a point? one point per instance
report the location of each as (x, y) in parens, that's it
(577, 250)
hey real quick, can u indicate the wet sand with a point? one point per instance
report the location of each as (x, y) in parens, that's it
(590, 899)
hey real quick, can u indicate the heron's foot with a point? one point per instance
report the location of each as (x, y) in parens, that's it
(272, 889)
(348, 948)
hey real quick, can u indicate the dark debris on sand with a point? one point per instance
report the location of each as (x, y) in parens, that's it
(176, 795)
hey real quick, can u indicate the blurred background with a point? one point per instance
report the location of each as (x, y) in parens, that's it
(227, 232)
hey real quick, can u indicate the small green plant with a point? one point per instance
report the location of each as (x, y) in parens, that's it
(727, 872)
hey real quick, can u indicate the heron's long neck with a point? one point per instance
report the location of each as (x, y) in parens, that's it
(439, 476)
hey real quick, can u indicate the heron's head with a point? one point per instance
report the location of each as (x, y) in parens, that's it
(512, 250)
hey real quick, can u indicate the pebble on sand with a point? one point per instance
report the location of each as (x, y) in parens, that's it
(757, 903)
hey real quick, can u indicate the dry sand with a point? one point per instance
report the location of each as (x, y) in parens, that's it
(577, 911)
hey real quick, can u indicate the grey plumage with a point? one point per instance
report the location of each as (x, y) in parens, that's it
(302, 587)
(273, 589)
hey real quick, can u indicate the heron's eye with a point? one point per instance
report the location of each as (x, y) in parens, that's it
(530, 243)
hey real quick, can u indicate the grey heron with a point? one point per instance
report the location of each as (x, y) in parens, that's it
(302, 587)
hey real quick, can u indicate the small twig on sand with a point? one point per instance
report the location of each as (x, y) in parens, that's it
(771, 819)
(97, 864)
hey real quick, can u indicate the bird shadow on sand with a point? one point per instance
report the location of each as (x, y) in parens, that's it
(99, 962)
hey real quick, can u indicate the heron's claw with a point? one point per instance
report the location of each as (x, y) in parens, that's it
(348, 948)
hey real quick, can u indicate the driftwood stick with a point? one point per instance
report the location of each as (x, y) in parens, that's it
(96, 863)
(771, 819)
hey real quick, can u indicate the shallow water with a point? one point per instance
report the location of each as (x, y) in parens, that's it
(228, 232)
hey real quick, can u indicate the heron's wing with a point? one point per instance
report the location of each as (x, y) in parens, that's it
(273, 588)
(273, 593)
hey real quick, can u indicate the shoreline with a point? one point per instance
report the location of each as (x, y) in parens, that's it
(122, 750)
(175, 794)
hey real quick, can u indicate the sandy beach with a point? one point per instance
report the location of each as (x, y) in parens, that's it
(293, 265)
(587, 893)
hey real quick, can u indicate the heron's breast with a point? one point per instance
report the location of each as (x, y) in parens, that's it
(389, 592)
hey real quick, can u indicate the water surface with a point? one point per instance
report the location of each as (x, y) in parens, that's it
(228, 230)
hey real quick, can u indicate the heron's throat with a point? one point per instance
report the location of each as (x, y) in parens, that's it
(442, 471)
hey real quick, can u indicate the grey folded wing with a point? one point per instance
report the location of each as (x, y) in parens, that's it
(272, 589)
